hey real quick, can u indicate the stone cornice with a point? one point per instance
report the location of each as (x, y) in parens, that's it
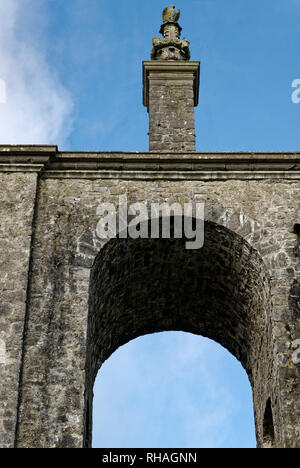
(33, 158)
(149, 165)
(175, 166)
(173, 69)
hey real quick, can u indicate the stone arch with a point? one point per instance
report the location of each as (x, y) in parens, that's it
(222, 291)
(252, 230)
(268, 427)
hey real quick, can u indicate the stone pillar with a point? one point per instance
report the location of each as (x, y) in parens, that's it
(171, 90)
(19, 172)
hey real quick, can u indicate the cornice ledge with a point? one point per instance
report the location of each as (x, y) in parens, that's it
(26, 158)
(176, 162)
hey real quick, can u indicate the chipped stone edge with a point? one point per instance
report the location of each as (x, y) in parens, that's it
(21, 167)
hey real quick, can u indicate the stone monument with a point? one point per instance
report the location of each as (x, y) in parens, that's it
(69, 299)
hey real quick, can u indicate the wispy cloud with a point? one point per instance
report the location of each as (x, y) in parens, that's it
(34, 106)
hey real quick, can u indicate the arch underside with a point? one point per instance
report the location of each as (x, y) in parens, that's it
(142, 286)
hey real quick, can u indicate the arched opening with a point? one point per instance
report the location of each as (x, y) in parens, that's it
(177, 390)
(143, 286)
(268, 427)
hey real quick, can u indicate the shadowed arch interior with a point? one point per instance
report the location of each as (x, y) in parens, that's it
(142, 286)
(269, 435)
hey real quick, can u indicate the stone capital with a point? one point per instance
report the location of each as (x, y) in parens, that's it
(170, 71)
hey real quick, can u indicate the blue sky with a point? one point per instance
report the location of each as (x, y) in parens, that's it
(73, 72)
(71, 75)
(173, 389)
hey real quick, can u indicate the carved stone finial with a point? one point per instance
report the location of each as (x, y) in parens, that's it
(171, 15)
(171, 47)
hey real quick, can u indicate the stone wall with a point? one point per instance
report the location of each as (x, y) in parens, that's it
(263, 213)
(49, 298)
(17, 199)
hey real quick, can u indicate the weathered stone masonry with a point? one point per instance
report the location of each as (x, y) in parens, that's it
(170, 94)
(17, 205)
(70, 299)
(253, 198)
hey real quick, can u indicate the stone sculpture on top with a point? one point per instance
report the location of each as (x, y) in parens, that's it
(171, 47)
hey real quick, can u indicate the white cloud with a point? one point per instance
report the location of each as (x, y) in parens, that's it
(34, 106)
